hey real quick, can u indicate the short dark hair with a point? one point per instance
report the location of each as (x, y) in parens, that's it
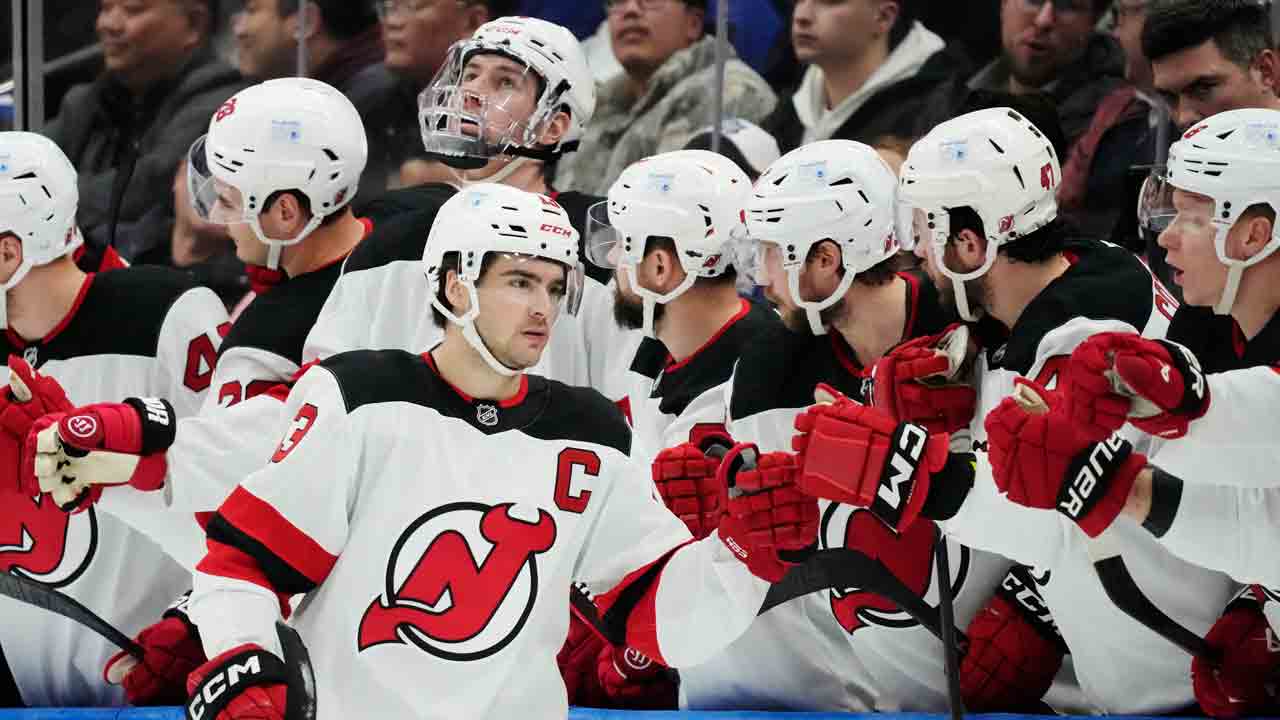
(879, 274)
(1240, 28)
(1039, 246)
(305, 203)
(344, 19)
(452, 262)
(658, 242)
(902, 26)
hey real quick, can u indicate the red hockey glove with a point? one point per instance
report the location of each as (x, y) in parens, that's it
(1014, 650)
(632, 681)
(768, 521)
(73, 454)
(920, 382)
(858, 455)
(1246, 684)
(577, 661)
(686, 480)
(1039, 460)
(172, 650)
(1154, 384)
(256, 690)
(28, 396)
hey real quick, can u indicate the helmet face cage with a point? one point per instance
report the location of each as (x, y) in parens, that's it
(468, 128)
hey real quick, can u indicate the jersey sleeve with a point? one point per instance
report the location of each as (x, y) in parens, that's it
(677, 600)
(771, 430)
(280, 532)
(386, 307)
(187, 350)
(1230, 529)
(609, 348)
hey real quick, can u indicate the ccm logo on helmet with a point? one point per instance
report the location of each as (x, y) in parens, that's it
(556, 230)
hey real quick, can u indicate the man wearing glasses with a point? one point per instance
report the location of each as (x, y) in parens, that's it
(663, 94)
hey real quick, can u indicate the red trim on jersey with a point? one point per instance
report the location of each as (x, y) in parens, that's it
(259, 520)
(203, 519)
(1238, 341)
(368, 226)
(745, 308)
(507, 404)
(1071, 256)
(642, 620)
(111, 260)
(280, 391)
(19, 341)
(913, 305)
(233, 563)
(845, 355)
(303, 370)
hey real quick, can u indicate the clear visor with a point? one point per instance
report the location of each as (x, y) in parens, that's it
(1155, 203)
(603, 240)
(525, 280)
(214, 201)
(904, 227)
(479, 105)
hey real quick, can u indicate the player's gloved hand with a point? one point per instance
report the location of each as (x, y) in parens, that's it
(28, 396)
(1014, 651)
(256, 691)
(73, 455)
(1248, 680)
(577, 661)
(686, 480)
(922, 381)
(768, 523)
(859, 455)
(632, 681)
(172, 650)
(1040, 460)
(1155, 384)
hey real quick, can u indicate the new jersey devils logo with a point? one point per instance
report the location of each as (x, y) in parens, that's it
(461, 582)
(908, 556)
(40, 541)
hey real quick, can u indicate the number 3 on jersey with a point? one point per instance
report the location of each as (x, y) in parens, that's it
(301, 426)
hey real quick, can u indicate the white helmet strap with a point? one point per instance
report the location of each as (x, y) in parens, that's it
(651, 299)
(469, 330)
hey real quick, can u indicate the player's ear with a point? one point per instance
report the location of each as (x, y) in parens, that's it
(456, 293)
(1257, 234)
(287, 217)
(555, 129)
(10, 254)
(970, 247)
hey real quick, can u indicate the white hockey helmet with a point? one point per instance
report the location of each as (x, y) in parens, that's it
(837, 190)
(995, 162)
(38, 201)
(294, 134)
(491, 218)
(1233, 158)
(548, 51)
(694, 197)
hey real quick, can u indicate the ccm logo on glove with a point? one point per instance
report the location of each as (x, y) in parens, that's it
(227, 679)
(895, 487)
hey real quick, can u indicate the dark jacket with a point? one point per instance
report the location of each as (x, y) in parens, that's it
(99, 124)
(357, 71)
(906, 109)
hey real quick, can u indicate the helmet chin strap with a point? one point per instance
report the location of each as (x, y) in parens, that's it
(472, 334)
(649, 299)
(813, 310)
(498, 177)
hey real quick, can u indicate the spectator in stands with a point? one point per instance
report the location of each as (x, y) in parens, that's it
(417, 34)
(162, 84)
(344, 49)
(1210, 56)
(1050, 46)
(745, 143)
(872, 70)
(664, 93)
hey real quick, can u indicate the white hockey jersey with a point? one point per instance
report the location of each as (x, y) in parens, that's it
(678, 402)
(234, 432)
(436, 537)
(1122, 666)
(135, 332)
(847, 649)
(379, 302)
(1221, 507)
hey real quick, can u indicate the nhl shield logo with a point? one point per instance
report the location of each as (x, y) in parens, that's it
(487, 415)
(31, 355)
(461, 581)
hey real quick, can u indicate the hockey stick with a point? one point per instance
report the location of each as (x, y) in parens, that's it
(1114, 574)
(301, 703)
(946, 603)
(31, 592)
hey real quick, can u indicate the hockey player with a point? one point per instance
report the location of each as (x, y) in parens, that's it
(526, 473)
(140, 332)
(278, 167)
(982, 189)
(821, 223)
(1208, 493)
(671, 232)
(504, 107)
